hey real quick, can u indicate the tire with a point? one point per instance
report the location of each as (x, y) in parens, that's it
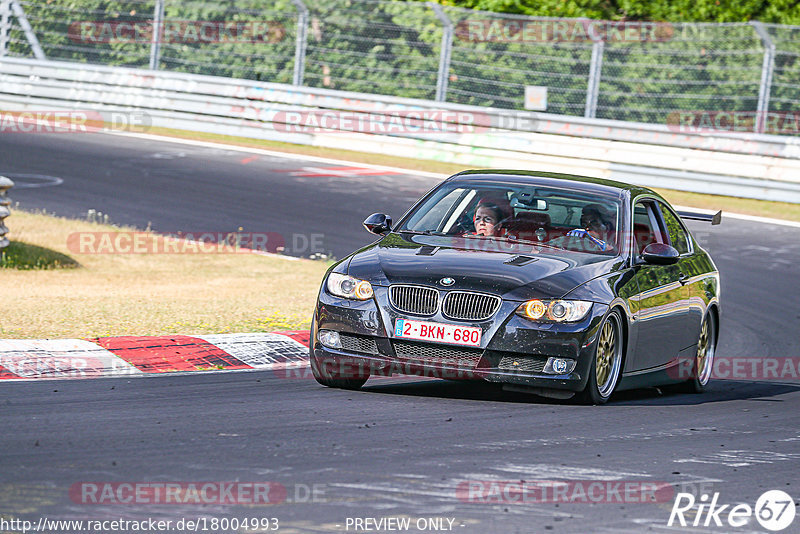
(704, 358)
(329, 376)
(606, 363)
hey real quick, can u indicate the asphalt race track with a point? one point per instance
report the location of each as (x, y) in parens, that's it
(183, 188)
(400, 447)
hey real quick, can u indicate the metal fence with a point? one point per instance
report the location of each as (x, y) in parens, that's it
(621, 71)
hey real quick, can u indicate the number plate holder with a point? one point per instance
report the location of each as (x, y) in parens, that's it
(452, 334)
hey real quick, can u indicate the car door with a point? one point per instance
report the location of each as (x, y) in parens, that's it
(662, 310)
(690, 275)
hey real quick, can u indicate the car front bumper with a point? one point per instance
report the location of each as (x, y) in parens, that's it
(513, 350)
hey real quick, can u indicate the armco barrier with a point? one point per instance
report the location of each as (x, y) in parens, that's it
(5, 202)
(746, 165)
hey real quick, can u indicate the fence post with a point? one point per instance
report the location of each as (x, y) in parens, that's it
(5, 25)
(300, 43)
(5, 185)
(158, 32)
(593, 87)
(767, 67)
(26, 27)
(443, 75)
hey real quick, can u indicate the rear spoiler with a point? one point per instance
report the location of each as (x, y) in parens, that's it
(695, 216)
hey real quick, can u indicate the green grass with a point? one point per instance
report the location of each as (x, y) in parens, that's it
(25, 256)
(145, 294)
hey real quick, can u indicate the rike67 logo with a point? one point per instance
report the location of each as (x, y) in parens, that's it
(774, 510)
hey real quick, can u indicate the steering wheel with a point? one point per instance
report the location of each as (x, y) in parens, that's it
(463, 225)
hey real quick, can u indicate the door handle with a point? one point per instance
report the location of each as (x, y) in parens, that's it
(683, 279)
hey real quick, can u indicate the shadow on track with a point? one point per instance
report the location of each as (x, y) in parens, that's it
(454, 389)
(717, 391)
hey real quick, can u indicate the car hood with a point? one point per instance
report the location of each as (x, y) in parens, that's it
(515, 272)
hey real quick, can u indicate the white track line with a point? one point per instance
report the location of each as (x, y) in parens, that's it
(276, 154)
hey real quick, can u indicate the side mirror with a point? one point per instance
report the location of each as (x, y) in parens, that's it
(378, 223)
(660, 254)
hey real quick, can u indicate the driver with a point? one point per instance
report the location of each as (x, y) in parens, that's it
(490, 215)
(595, 226)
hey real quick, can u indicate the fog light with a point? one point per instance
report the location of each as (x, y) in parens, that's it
(559, 366)
(330, 339)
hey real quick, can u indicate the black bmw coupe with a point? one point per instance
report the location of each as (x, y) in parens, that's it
(546, 283)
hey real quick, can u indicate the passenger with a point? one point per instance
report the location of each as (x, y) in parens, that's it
(595, 227)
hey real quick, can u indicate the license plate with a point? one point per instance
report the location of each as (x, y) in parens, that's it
(442, 333)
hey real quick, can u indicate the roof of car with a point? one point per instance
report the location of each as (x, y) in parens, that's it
(585, 183)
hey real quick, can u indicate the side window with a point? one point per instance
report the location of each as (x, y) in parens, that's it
(645, 226)
(677, 235)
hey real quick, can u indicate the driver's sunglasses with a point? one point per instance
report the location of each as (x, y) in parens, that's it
(488, 219)
(590, 221)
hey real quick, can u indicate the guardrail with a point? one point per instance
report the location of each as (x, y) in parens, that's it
(747, 165)
(5, 202)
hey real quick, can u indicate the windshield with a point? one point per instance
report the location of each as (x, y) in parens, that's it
(554, 217)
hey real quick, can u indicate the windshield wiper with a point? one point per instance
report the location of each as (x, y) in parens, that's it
(423, 232)
(529, 242)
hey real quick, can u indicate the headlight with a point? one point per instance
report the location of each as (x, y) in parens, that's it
(348, 287)
(559, 311)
